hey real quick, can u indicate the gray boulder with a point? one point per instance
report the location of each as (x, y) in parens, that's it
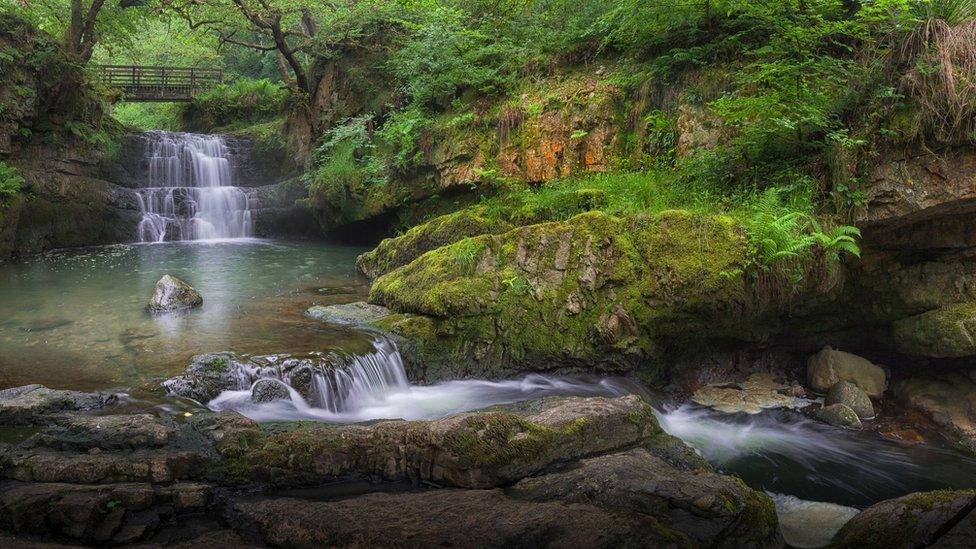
(268, 390)
(845, 392)
(838, 415)
(173, 294)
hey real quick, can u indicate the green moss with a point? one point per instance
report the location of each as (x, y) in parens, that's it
(941, 333)
(605, 288)
(440, 231)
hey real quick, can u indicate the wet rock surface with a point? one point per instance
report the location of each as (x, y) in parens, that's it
(756, 393)
(850, 395)
(355, 314)
(838, 415)
(698, 508)
(947, 401)
(29, 403)
(126, 479)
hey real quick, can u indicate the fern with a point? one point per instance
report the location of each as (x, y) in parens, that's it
(780, 235)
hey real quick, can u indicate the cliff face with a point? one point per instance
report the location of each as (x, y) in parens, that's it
(54, 133)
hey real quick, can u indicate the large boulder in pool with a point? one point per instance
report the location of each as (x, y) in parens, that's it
(173, 294)
(829, 366)
(943, 518)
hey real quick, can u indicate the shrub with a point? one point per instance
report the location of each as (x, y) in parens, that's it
(242, 102)
(10, 182)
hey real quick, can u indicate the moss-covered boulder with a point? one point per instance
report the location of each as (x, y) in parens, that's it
(472, 450)
(942, 518)
(446, 229)
(594, 290)
(949, 331)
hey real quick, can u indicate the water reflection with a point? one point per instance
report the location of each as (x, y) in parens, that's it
(77, 318)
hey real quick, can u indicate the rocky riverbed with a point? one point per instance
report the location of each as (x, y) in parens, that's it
(558, 471)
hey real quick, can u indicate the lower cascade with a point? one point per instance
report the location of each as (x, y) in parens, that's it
(191, 193)
(351, 388)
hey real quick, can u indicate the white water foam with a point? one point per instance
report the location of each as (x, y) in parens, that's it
(375, 386)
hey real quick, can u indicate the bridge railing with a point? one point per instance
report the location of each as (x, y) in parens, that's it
(144, 83)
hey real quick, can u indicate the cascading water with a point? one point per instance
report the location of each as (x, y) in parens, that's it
(190, 193)
(375, 386)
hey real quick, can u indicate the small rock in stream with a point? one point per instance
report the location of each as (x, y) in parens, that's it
(838, 415)
(845, 392)
(268, 390)
(173, 294)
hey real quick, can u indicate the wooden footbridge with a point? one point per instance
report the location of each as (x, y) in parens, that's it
(143, 84)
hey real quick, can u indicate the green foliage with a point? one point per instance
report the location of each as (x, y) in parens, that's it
(236, 104)
(780, 234)
(149, 116)
(345, 162)
(10, 182)
(466, 251)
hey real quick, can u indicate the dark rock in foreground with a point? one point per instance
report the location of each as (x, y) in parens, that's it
(942, 519)
(608, 476)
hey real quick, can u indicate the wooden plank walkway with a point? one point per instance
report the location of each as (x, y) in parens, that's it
(160, 84)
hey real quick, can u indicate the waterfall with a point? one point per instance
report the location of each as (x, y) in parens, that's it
(190, 192)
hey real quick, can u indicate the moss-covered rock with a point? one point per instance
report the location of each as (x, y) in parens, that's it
(915, 520)
(473, 450)
(949, 331)
(446, 229)
(606, 290)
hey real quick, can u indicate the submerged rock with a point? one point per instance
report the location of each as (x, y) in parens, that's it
(845, 392)
(268, 390)
(756, 393)
(173, 294)
(357, 314)
(942, 518)
(838, 415)
(829, 366)
(26, 404)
